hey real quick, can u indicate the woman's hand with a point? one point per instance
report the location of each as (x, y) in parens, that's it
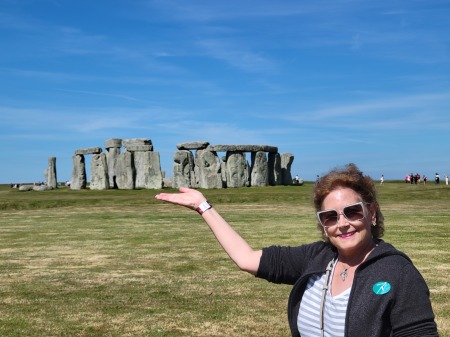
(187, 197)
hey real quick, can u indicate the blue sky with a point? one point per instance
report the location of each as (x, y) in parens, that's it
(331, 82)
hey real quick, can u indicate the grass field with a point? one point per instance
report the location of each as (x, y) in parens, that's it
(120, 263)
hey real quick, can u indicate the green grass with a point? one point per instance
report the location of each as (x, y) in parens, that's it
(120, 263)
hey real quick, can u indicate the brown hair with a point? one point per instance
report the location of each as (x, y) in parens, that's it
(351, 177)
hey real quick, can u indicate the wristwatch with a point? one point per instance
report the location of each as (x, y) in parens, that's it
(203, 207)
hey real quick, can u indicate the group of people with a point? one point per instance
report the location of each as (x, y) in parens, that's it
(415, 178)
(350, 282)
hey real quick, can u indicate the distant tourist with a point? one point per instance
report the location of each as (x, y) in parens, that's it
(436, 178)
(382, 179)
(446, 179)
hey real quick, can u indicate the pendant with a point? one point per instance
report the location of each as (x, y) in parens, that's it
(343, 274)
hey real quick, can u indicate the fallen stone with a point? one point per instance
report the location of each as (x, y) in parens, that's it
(42, 188)
(25, 188)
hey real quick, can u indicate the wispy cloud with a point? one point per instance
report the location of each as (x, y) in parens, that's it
(237, 55)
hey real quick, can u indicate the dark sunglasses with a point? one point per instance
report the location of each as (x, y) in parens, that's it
(352, 213)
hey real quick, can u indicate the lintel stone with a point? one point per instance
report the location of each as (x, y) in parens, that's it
(139, 148)
(192, 146)
(243, 148)
(113, 143)
(90, 150)
(136, 141)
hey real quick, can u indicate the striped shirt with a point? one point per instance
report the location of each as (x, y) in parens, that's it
(308, 319)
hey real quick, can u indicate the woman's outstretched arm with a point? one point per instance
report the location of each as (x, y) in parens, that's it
(234, 245)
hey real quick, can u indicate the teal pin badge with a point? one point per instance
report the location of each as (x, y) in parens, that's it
(381, 288)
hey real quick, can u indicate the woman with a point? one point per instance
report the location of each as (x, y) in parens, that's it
(351, 283)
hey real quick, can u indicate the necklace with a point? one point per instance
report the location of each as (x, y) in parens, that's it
(344, 273)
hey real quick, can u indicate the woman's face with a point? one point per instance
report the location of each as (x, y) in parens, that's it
(350, 238)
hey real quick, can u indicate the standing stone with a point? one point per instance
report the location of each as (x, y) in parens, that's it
(99, 172)
(125, 171)
(259, 176)
(274, 164)
(112, 156)
(223, 169)
(286, 162)
(237, 169)
(51, 179)
(183, 169)
(148, 170)
(112, 147)
(78, 180)
(209, 170)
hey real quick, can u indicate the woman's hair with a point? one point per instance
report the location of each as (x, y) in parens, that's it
(351, 177)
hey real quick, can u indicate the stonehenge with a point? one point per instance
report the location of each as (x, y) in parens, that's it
(205, 170)
(136, 167)
(139, 167)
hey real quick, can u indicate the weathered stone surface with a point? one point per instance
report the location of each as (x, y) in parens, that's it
(78, 180)
(139, 148)
(40, 188)
(209, 169)
(274, 165)
(51, 179)
(286, 162)
(223, 172)
(183, 169)
(259, 175)
(25, 188)
(136, 141)
(237, 169)
(125, 171)
(148, 170)
(90, 150)
(99, 172)
(242, 148)
(192, 146)
(112, 156)
(167, 182)
(113, 143)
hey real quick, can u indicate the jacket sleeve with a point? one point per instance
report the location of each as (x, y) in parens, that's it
(285, 264)
(412, 313)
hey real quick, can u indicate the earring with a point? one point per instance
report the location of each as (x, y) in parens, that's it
(374, 223)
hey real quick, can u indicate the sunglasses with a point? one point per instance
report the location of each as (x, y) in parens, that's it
(352, 213)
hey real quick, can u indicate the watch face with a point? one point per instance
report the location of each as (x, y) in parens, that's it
(203, 207)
